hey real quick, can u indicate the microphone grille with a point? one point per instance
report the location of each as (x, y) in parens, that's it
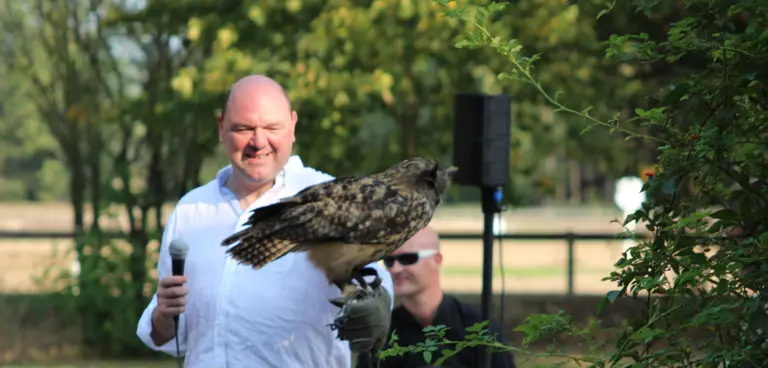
(178, 248)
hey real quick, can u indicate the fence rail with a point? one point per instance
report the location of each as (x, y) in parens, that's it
(569, 238)
(50, 234)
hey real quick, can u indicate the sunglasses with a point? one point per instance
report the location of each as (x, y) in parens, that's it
(407, 259)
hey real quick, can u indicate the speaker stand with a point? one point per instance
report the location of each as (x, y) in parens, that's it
(490, 207)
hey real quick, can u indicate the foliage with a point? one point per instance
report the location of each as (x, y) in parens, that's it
(121, 97)
(376, 104)
(124, 135)
(703, 271)
(111, 106)
(404, 92)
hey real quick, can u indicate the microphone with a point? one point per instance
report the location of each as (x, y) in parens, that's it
(178, 250)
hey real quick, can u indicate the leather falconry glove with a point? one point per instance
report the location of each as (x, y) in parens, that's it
(364, 318)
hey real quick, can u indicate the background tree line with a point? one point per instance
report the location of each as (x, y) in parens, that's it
(110, 105)
(370, 80)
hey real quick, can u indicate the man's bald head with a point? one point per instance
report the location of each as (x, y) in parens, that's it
(254, 84)
(256, 129)
(426, 238)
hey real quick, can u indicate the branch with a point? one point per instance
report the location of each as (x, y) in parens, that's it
(49, 105)
(510, 52)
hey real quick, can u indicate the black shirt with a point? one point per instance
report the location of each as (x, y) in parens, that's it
(456, 315)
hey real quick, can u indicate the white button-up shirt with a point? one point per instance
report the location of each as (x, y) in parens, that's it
(235, 316)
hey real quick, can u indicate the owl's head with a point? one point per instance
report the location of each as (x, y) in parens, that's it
(426, 176)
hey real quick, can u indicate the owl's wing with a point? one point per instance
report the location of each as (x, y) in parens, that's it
(291, 211)
(355, 210)
(359, 218)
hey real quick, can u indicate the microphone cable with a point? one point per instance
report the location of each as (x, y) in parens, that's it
(178, 351)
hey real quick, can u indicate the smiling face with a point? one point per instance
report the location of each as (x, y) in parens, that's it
(417, 268)
(257, 130)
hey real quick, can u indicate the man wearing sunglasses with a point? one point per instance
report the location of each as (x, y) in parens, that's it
(415, 270)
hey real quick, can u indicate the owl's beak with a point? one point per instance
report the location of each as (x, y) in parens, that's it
(451, 170)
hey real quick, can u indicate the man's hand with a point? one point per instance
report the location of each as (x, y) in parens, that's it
(364, 319)
(171, 301)
(171, 296)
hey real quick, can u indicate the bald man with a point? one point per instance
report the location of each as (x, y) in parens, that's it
(231, 315)
(415, 269)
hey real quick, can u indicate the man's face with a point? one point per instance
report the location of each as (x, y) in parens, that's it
(413, 278)
(257, 133)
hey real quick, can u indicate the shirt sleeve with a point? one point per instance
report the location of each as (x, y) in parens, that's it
(144, 327)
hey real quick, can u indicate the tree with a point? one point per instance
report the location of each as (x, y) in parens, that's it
(101, 79)
(374, 82)
(702, 274)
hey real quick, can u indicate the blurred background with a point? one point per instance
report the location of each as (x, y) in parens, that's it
(107, 117)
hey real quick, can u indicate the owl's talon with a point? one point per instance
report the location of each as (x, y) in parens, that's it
(367, 271)
(350, 291)
(340, 319)
(343, 303)
(359, 276)
(350, 294)
(339, 302)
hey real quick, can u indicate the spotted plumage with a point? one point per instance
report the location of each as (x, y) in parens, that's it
(345, 223)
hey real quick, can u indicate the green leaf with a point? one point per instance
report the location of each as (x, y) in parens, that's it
(726, 214)
(613, 295)
(427, 356)
(688, 221)
(646, 335)
(466, 44)
(477, 327)
(763, 36)
(677, 93)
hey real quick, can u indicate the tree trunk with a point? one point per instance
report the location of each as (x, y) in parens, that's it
(77, 189)
(89, 317)
(575, 182)
(408, 120)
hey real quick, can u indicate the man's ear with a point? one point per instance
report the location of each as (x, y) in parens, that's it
(294, 120)
(220, 125)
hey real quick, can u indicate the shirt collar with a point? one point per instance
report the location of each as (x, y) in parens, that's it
(283, 177)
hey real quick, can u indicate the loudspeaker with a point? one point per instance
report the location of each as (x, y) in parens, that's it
(481, 140)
